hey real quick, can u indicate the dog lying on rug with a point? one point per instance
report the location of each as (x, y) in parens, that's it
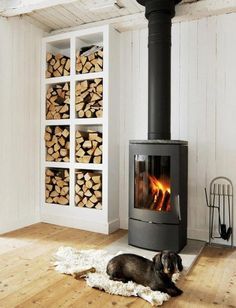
(93, 264)
(156, 274)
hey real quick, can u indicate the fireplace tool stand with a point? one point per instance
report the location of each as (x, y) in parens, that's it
(220, 202)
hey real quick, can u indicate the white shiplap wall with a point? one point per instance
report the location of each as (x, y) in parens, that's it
(203, 105)
(19, 123)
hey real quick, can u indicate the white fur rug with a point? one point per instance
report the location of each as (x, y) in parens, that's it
(68, 260)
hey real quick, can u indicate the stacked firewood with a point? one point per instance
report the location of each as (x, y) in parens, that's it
(57, 186)
(57, 65)
(58, 102)
(88, 190)
(88, 147)
(57, 142)
(89, 60)
(88, 98)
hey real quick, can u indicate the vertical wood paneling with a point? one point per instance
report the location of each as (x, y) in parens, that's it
(19, 123)
(133, 120)
(125, 86)
(201, 122)
(183, 80)
(192, 101)
(203, 105)
(175, 63)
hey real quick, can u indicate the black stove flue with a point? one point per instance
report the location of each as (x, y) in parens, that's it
(158, 166)
(159, 14)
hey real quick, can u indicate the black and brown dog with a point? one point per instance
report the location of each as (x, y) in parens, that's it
(155, 274)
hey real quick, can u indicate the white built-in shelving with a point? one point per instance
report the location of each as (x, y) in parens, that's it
(105, 220)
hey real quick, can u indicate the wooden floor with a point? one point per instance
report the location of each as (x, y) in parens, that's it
(27, 279)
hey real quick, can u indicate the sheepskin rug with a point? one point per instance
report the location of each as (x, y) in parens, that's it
(68, 260)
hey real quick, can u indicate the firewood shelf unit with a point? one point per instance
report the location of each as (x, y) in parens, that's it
(79, 129)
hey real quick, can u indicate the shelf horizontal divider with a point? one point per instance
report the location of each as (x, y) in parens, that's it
(88, 166)
(80, 77)
(65, 122)
(73, 206)
(88, 121)
(54, 164)
(57, 80)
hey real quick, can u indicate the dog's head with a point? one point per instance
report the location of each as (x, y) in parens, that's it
(168, 262)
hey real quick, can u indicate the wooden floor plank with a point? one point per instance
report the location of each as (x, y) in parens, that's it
(27, 279)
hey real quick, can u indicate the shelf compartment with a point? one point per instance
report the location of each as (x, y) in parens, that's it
(57, 186)
(88, 144)
(89, 98)
(58, 101)
(89, 59)
(57, 143)
(88, 189)
(89, 53)
(58, 59)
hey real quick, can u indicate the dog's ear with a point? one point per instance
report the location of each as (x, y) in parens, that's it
(179, 263)
(157, 262)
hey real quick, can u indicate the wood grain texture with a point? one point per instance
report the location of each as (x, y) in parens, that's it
(203, 105)
(19, 123)
(59, 15)
(27, 278)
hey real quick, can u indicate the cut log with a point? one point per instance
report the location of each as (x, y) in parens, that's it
(97, 186)
(98, 206)
(87, 190)
(57, 145)
(65, 132)
(56, 186)
(97, 160)
(86, 61)
(88, 193)
(62, 200)
(77, 199)
(89, 98)
(47, 136)
(89, 184)
(96, 179)
(57, 65)
(88, 149)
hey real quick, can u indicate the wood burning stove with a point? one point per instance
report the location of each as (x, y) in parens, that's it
(158, 194)
(158, 166)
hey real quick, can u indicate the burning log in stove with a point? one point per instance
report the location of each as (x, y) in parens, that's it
(160, 192)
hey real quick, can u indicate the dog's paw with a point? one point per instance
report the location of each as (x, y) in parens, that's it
(174, 292)
(179, 292)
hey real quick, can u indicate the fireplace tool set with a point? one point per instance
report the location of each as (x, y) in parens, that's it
(220, 202)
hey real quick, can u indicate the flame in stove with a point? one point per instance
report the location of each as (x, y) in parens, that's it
(160, 190)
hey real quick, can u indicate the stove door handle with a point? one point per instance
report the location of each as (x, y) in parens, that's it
(178, 207)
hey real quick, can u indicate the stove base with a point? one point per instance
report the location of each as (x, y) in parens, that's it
(156, 237)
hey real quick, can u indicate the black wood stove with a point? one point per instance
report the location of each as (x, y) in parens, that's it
(158, 166)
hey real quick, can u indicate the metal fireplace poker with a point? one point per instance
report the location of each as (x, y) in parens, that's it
(158, 166)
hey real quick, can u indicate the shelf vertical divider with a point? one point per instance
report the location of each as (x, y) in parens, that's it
(72, 119)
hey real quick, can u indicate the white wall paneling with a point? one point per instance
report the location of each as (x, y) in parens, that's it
(203, 105)
(19, 123)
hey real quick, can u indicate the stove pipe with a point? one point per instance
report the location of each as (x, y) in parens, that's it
(159, 14)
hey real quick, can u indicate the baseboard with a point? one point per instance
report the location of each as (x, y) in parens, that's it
(18, 224)
(198, 234)
(72, 222)
(114, 225)
(124, 224)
